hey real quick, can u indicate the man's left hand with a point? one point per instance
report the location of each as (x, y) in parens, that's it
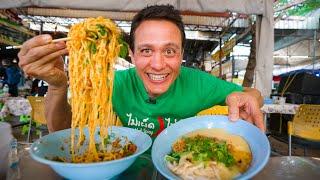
(246, 105)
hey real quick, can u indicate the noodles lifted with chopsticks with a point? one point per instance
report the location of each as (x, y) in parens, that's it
(93, 48)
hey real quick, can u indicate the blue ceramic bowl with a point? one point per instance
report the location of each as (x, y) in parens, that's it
(257, 141)
(57, 144)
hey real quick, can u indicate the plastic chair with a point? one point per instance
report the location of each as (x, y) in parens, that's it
(215, 110)
(37, 113)
(305, 124)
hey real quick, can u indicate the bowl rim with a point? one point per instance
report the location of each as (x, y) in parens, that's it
(102, 163)
(219, 118)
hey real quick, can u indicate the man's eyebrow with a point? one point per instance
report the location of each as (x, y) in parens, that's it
(143, 45)
(173, 44)
(150, 45)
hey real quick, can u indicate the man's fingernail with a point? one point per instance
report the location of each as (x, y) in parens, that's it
(46, 38)
(61, 45)
(232, 118)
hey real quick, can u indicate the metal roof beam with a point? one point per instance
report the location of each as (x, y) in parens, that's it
(293, 38)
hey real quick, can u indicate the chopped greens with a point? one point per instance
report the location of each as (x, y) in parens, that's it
(107, 140)
(93, 48)
(203, 149)
(173, 157)
(102, 29)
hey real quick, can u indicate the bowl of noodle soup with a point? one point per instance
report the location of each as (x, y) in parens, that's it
(55, 147)
(210, 147)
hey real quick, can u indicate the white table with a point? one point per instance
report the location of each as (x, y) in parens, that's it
(277, 108)
(282, 109)
(16, 106)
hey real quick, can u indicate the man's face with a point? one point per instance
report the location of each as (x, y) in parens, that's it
(157, 55)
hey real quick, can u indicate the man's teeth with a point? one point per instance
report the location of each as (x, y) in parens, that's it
(157, 77)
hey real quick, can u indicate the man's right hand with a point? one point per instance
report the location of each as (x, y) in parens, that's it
(42, 59)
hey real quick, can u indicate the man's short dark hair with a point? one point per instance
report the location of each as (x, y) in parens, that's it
(157, 12)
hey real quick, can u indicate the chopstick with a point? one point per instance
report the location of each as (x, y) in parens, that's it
(53, 41)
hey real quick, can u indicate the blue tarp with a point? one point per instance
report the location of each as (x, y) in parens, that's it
(315, 72)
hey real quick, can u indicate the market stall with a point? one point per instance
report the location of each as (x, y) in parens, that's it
(194, 11)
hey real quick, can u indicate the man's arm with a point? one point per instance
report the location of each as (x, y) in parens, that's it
(42, 59)
(57, 109)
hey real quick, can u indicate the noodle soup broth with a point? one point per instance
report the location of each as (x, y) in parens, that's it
(209, 154)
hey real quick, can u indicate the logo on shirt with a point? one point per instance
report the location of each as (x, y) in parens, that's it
(148, 125)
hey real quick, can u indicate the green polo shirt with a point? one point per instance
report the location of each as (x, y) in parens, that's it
(191, 92)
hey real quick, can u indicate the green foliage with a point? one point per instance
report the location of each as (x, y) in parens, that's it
(9, 22)
(25, 129)
(305, 8)
(24, 118)
(38, 132)
(300, 9)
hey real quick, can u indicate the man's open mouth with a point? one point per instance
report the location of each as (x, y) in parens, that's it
(157, 77)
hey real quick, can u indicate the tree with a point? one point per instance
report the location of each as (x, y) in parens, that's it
(248, 76)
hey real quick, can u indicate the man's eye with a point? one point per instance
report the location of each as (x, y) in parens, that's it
(170, 52)
(146, 52)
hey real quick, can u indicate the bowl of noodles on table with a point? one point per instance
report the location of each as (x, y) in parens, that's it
(210, 147)
(93, 148)
(123, 146)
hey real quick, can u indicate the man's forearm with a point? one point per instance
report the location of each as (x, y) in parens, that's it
(57, 109)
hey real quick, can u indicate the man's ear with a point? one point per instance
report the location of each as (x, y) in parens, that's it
(131, 56)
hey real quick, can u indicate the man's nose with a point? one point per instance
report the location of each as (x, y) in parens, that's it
(157, 61)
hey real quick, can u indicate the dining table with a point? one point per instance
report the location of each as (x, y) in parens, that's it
(286, 108)
(290, 167)
(278, 167)
(16, 106)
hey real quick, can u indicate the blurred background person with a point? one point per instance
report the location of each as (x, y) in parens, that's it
(13, 77)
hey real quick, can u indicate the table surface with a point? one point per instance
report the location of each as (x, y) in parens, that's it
(278, 108)
(16, 106)
(281, 167)
(290, 167)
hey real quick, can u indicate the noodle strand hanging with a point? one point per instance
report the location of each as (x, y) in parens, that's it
(93, 49)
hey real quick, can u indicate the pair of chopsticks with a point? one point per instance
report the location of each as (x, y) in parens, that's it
(53, 41)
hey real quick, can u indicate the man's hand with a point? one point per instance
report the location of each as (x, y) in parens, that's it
(42, 59)
(246, 105)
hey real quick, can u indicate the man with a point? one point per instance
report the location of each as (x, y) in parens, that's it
(13, 78)
(157, 92)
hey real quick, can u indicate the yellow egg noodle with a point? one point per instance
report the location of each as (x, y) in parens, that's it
(93, 48)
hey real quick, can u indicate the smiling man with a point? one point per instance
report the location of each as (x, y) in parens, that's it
(158, 91)
(157, 55)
